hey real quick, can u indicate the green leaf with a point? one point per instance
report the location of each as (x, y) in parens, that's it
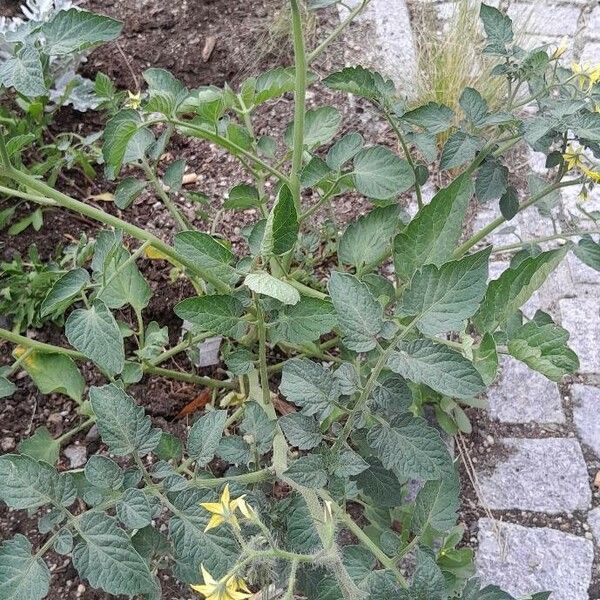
(345, 149)
(308, 471)
(441, 299)
(240, 361)
(474, 106)
(509, 203)
(55, 373)
(428, 580)
(301, 431)
(542, 346)
(27, 483)
(410, 448)
(119, 131)
(173, 177)
(166, 93)
(433, 117)
(61, 295)
(485, 359)
(204, 436)
(585, 125)
(75, 30)
(436, 505)
(392, 394)
(169, 447)
(134, 509)
(108, 560)
(367, 241)
(274, 83)
(360, 316)
(216, 549)
(432, 236)
(257, 424)
(94, 332)
(24, 72)
(241, 197)
(103, 472)
(315, 174)
(498, 28)
(208, 254)
(309, 385)
(127, 191)
(439, 367)
(41, 446)
(263, 283)
(320, 126)
(218, 314)
(514, 287)
(360, 82)
(588, 252)
(380, 174)
(304, 322)
(234, 449)
(491, 181)
(380, 485)
(7, 388)
(317, 4)
(459, 149)
(22, 575)
(123, 426)
(281, 230)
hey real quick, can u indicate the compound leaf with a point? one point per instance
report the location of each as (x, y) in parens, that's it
(24, 73)
(22, 575)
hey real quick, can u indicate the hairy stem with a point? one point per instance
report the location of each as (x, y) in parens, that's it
(548, 238)
(189, 377)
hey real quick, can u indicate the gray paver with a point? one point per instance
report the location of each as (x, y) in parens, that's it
(593, 518)
(542, 475)
(524, 396)
(586, 414)
(581, 318)
(580, 272)
(541, 18)
(591, 51)
(527, 560)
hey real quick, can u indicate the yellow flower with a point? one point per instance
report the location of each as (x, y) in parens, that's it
(560, 49)
(587, 75)
(224, 510)
(590, 174)
(572, 157)
(227, 588)
(133, 100)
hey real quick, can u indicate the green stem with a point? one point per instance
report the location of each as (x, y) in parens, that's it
(289, 594)
(26, 342)
(485, 231)
(327, 196)
(184, 345)
(69, 434)
(299, 102)
(108, 219)
(25, 196)
(262, 357)
(181, 221)
(305, 290)
(189, 377)
(549, 238)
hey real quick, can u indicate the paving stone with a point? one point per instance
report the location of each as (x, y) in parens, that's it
(523, 396)
(580, 272)
(544, 18)
(586, 414)
(593, 518)
(526, 560)
(542, 475)
(591, 51)
(593, 26)
(581, 318)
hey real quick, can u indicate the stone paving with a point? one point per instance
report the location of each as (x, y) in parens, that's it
(549, 434)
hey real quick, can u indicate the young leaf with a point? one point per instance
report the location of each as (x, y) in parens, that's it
(345, 149)
(166, 93)
(210, 255)
(218, 314)
(108, 560)
(281, 230)
(459, 149)
(124, 427)
(309, 385)
(498, 28)
(55, 373)
(119, 131)
(301, 431)
(274, 83)
(433, 117)
(360, 82)
(241, 197)
(514, 287)
(430, 238)
(410, 448)
(257, 424)
(75, 30)
(368, 240)
(27, 483)
(204, 436)
(94, 332)
(64, 291)
(491, 181)
(304, 322)
(439, 367)
(24, 72)
(474, 106)
(23, 575)
(443, 298)
(436, 505)
(41, 446)
(380, 174)
(360, 316)
(542, 346)
(263, 283)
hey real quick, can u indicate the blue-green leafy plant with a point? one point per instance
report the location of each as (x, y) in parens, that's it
(319, 425)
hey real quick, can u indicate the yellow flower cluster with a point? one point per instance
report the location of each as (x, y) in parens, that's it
(223, 511)
(226, 588)
(587, 75)
(575, 159)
